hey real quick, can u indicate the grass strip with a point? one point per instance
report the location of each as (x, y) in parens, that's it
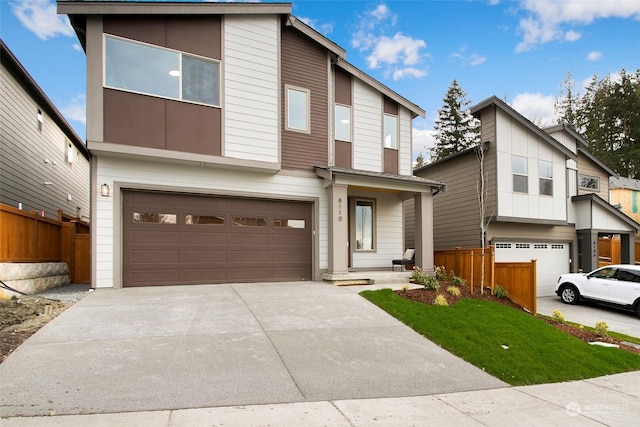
(478, 331)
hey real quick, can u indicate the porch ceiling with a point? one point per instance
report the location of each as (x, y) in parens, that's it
(377, 181)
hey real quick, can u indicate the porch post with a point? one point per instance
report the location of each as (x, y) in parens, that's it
(627, 248)
(424, 230)
(338, 229)
(588, 249)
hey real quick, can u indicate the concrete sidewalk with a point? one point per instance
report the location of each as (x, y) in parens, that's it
(612, 401)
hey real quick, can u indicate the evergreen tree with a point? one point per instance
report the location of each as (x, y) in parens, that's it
(566, 105)
(420, 161)
(456, 130)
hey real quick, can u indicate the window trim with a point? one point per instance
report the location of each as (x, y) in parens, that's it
(597, 179)
(373, 225)
(178, 52)
(307, 93)
(514, 174)
(397, 120)
(335, 136)
(541, 178)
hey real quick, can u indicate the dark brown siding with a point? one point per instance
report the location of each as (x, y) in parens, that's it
(151, 122)
(187, 253)
(304, 64)
(343, 87)
(390, 160)
(390, 106)
(343, 154)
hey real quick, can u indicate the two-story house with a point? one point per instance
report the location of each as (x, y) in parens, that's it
(547, 196)
(44, 164)
(233, 143)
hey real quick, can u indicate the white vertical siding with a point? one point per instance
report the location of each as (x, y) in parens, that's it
(202, 180)
(251, 101)
(406, 142)
(388, 235)
(514, 139)
(367, 127)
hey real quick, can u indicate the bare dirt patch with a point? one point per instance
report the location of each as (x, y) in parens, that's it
(427, 296)
(22, 317)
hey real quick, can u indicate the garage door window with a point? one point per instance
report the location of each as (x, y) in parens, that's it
(241, 221)
(154, 218)
(204, 220)
(289, 223)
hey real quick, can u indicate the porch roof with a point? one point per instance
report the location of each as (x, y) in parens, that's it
(596, 213)
(379, 180)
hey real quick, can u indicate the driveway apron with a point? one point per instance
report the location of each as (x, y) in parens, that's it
(158, 348)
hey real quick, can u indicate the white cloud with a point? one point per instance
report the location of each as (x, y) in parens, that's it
(423, 141)
(572, 36)
(545, 18)
(594, 55)
(77, 47)
(399, 55)
(41, 18)
(477, 59)
(76, 109)
(536, 107)
(324, 29)
(473, 59)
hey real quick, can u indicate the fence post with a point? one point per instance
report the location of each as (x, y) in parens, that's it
(471, 256)
(492, 260)
(455, 262)
(535, 290)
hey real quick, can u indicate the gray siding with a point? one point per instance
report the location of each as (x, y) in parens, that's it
(23, 150)
(408, 213)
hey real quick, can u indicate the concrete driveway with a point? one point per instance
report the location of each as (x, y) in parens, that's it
(142, 349)
(588, 313)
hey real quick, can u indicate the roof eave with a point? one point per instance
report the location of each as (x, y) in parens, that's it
(169, 8)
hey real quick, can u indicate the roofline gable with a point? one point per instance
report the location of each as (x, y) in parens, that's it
(19, 72)
(608, 207)
(503, 106)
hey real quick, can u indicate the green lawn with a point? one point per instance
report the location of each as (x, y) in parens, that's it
(477, 330)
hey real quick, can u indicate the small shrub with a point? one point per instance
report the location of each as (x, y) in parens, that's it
(441, 273)
(417, 274)
(441, 301)
(499, 291)
(454, 291)
(602, 329)
(430, 283)
(457, 281)
(557, 315)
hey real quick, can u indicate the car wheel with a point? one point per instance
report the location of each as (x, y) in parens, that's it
(569, 294)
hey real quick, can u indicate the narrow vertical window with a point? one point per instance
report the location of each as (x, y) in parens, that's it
(364, 225)
(297, 107)
(390, 131)
(40, 120)
(520, 175)
(343, 123)
(546, 178)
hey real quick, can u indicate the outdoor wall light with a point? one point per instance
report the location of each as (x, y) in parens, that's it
(105, 190)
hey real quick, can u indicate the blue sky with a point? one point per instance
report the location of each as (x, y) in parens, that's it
(518, 50)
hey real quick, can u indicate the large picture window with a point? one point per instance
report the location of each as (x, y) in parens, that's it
(390, 131)
(364, 222)
(297, 109)
(520, 175)
(152, 70)
(589, 182)
(546, 178)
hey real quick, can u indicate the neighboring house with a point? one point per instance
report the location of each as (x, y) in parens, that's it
(233, 143)
(547, 196)
(624, 194)
(44, 165)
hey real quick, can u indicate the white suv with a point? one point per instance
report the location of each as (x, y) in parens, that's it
(614, 284)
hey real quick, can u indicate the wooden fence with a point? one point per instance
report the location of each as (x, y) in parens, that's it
(517, 278)
(609, 251)
(29, 237)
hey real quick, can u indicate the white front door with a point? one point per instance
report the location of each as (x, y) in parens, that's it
(552, 261)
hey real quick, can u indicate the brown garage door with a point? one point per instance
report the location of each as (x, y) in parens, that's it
(174, 239)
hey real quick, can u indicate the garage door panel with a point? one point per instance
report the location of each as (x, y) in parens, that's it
(215, 239)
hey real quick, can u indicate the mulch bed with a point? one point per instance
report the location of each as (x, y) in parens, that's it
(427, 296)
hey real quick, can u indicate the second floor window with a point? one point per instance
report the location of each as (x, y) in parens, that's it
(390, 131)
(520, 175)
(546, 178)
(152, 70)
(588, 182)
(297, 109)
(343, 123)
